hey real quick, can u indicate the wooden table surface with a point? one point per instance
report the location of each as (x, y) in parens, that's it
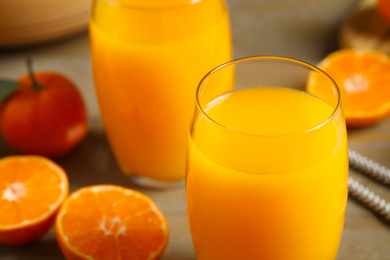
(364, 237)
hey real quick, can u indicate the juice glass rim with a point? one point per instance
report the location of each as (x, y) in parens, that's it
(267, 57)
(152, 8)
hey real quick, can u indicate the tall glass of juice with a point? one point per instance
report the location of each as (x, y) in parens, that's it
(147, 59)
(267, 170)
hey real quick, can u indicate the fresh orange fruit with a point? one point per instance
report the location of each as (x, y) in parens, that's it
(111, 222)
(44, 115)
(383, 7)
(32, 188)
(363, 77)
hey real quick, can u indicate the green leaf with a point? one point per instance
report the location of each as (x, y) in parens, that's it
(6, 88)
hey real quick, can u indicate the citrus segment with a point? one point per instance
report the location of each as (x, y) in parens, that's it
(32, 188)
(364, 81)
(111, 222)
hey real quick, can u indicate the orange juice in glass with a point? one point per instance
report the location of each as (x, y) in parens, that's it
(147, 59)
(267, 173)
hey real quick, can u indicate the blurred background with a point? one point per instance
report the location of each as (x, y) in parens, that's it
(304, 29)
(301, 29)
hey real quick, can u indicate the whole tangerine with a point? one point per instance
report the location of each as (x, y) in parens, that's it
(45, 115)
(383, 7)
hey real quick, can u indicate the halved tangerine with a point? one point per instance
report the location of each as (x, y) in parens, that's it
(363, 77)
(32, 188)
(111, 222)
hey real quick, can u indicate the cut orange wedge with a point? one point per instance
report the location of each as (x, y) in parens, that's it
(363, 77)
(32, 188)
(111, 222)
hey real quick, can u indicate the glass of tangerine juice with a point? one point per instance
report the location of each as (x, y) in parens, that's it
(267, 170)
(147, 59)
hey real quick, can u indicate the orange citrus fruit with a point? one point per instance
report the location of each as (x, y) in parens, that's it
(111, 222)
(364, 81)
(32, 188)
(48, 120)
(383, 7)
